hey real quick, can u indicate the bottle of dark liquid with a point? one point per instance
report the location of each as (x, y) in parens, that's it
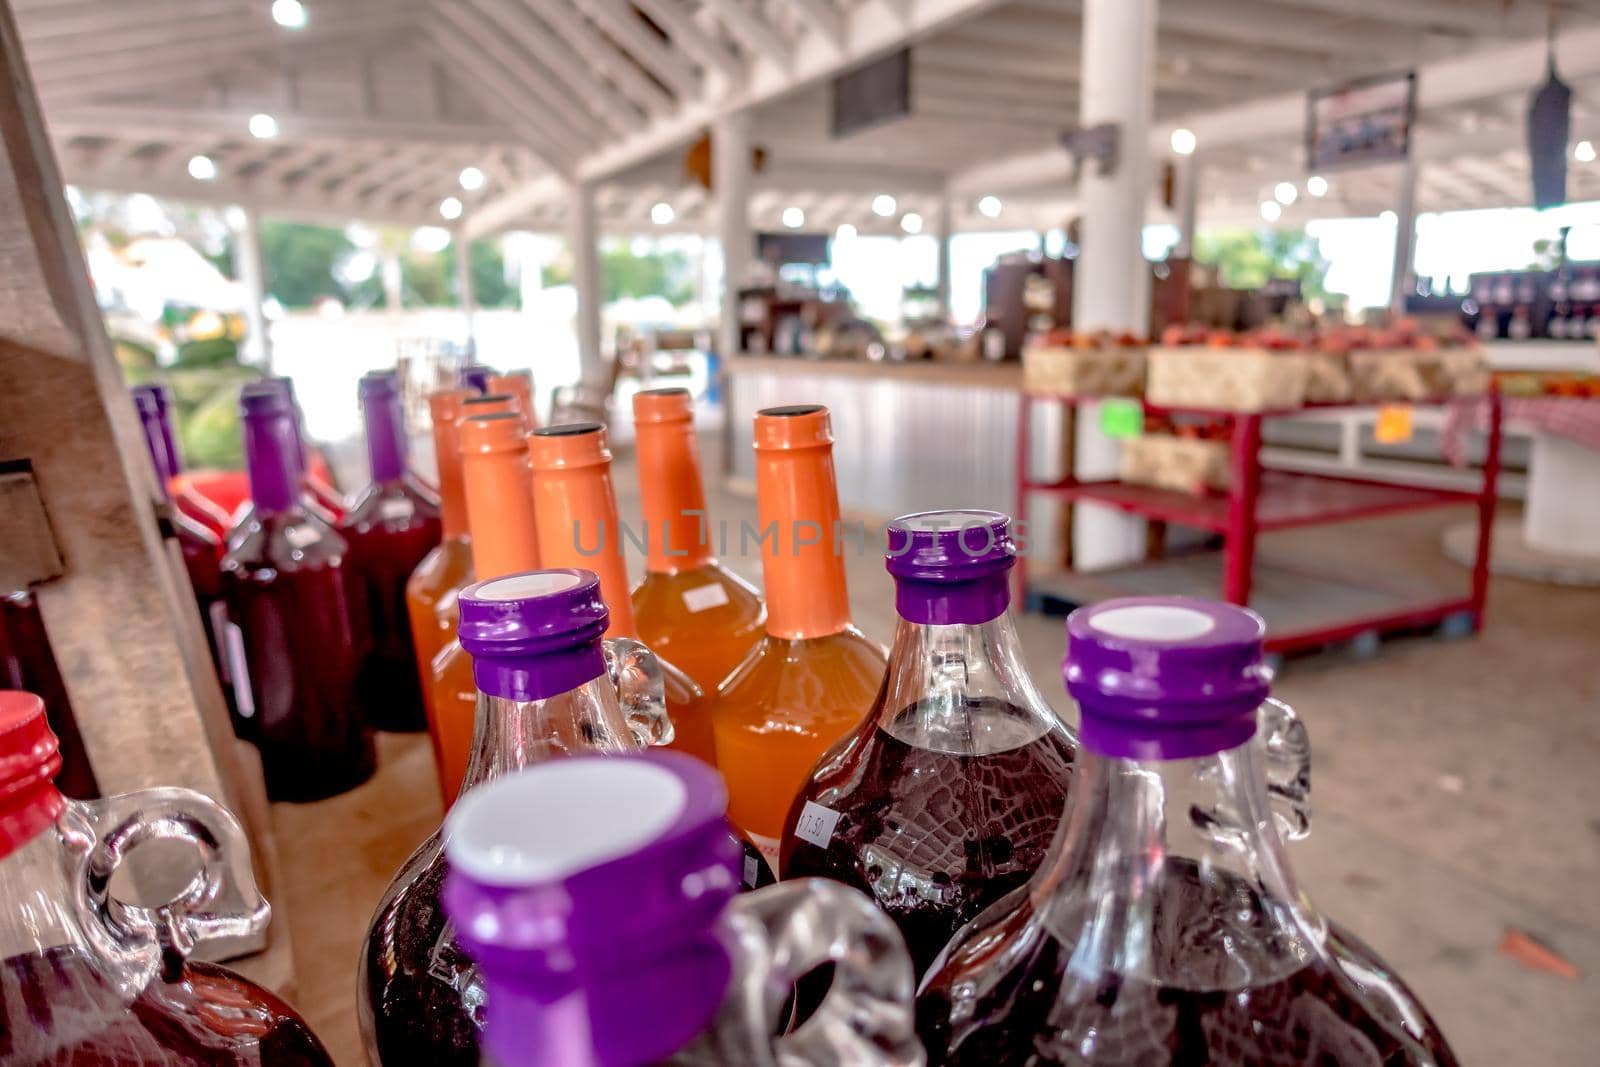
(1165, 926)
(624, 944)
(541, 670)
(85, 979)
(293, 651)
(391, 525)
(28, 662)
(946, 796)
(200, 547)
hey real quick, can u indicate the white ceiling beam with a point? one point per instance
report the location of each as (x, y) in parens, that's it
(220, 25)
(1269, 23)
(754, 33)
(622, 24)
(617, 68)
(692, 38)
(276, 202)
(822, 16)
(490, 88)
(579, 81)
(499, 213)
(538, 100)
(156, 123)
(1505, 16)
(96, 16)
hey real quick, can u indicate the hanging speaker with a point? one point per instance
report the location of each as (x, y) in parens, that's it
(1549, 126)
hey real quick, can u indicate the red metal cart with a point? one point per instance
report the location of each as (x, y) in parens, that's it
(1313, 608)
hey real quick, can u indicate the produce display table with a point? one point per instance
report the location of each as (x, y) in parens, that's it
(1303, 608)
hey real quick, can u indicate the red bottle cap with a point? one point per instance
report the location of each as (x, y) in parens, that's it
(29, 760)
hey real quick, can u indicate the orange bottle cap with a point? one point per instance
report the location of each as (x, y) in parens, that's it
(670, 487)
(499, 431)
(505, 535)
(444, 406)
(663, 405)
(520, 385)
(488, 404)
(577, 511)
(791, 427)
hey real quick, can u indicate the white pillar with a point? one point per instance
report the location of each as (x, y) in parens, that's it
(393, 281)
(251, 271)
(1405, 238)
(585, 236)
(730, 183)
(464, 291)
(1187, 177)
(1110, 284)
(944, 225)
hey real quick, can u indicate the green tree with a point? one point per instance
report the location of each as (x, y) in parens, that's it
(624, 274)
(1248, 258)
(300, 261)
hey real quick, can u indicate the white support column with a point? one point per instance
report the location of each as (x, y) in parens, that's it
(251, 271)
(1188, 197)
(464, 291)
(1110, 289)
(730, 184)
(585, 237)
(1405, 237)
(944, 225)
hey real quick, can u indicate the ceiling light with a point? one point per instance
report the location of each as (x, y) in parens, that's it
(202, 168)
(661, 213)
(472, 179)
(1388, 216)
(1184, 141)
(911, 222)
(989, 207)
(290, 14)
(450, 207)
(263, 126)
(1317, 185)
(1271, 210)
(845, 232)
(430, 238)
(1285, 193)
(794, 218)
(1583, 151)
(883, 205)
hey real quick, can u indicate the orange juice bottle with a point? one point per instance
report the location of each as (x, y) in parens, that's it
(813, 675)
(576, 506)
(689, 608)
(517, 383)
(470, 405)
(494, 475)
(448, 568)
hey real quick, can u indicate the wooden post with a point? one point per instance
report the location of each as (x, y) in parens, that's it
(121, 617)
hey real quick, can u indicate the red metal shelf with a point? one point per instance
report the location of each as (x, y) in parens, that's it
(1287, 499)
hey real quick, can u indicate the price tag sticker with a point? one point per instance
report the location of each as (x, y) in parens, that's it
(705, 597)
(398, 510)
(1121, 419)
(1394, 424)
(816, 824)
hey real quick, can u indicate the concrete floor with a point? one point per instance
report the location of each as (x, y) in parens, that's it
(1455, 790)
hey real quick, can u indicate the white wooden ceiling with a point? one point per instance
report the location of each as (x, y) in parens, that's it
(380, 104)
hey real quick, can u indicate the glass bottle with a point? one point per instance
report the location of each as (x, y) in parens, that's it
(391, 525)
(200, 548)
(812, 676)
(28, 662)
(154, 405)
(518, 384)
(1165, 926)
(87, 978)
(625, 945)
(542, 675)
(575, 504)
(446, 569)
(689, 608)
(328, 500)
(946, 796)
(313, 499)
(293, 649)
(475, 378)
(505, 540)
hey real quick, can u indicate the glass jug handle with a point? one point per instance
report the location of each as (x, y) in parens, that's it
(1287, 747)
(785, 931)
(221, 900)
(636, 674)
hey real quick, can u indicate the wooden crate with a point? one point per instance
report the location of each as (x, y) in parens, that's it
(1226, 379)
(1066, 370)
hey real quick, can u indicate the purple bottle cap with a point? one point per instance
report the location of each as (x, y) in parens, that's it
(476, 376)
(151, 402)
(270, 443)
(1165, 677)
(951, 567)
(285, 387)
(535, 634)
(588, 890)
(384, 416)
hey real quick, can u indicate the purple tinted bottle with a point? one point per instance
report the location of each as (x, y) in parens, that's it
(391, 525)
(947, 795)
(294, 656)
(1165, 927)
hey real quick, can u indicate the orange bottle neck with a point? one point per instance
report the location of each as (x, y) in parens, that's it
(452, 493)
(505, 537)
(797, 504)
(577, 519)
(676, 527)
